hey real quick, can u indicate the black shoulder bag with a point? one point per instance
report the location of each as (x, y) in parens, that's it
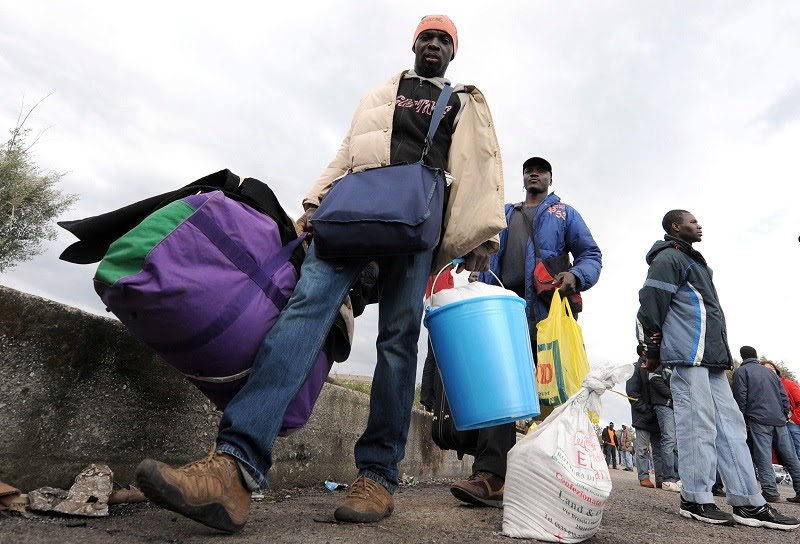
(546, 269)
(443, 431)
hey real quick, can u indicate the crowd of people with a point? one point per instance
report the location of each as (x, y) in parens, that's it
(683, 407)
(768, 402)
(707, 437)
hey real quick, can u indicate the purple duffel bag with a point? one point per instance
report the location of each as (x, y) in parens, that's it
(202, 280)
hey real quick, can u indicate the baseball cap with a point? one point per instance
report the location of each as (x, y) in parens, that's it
(537, 161)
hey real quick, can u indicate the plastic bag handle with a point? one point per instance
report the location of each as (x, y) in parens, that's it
(456, 262)
(563, 302)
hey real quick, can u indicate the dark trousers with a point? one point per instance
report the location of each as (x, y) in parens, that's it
(611, 455)
(492, 448)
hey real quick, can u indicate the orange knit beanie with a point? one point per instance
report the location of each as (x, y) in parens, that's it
(437, 22)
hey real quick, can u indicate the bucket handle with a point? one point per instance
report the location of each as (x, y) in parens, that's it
(456, 262)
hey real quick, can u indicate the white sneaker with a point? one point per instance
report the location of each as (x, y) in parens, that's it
(672, 486)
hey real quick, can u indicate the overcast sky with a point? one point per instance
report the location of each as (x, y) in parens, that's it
(641, 107)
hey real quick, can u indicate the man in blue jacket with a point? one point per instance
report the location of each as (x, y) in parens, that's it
(559, 230)
(679, 301)
(765, 406)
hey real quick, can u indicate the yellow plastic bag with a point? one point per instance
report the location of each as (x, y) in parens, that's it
(562, 363)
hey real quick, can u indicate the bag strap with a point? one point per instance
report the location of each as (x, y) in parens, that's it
(261, 281)
(529, 228)
(436, 117)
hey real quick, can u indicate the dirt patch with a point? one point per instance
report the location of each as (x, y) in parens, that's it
(425, 513)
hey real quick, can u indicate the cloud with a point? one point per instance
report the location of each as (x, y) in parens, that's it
(784, 111)
(639, 107)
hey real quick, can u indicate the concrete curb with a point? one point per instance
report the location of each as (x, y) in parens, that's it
(77, 388)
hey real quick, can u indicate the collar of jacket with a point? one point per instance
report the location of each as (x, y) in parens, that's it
(438, 81)
(549, 200)
(686, 247)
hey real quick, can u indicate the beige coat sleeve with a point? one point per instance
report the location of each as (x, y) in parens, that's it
(337, 168)
(475, 211)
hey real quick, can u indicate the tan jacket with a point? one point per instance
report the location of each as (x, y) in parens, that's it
(625, 439)
(474, 212)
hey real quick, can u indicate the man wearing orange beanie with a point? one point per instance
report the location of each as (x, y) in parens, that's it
(389, 126)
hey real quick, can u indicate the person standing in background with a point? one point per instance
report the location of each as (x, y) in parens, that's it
(679, 301)
(626, 448)
(793, 392)
(609, 439)
(540, 227)
(661, 400)
(765, 406)
(643, 419)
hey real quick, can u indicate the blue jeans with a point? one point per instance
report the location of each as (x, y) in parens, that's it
(251, 421)
(766, 437)
(626, 458)
(666, 422)
(643, 439)
(711, 436)
(794, 432)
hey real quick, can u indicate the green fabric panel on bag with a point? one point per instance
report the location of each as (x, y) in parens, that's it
(126, 256)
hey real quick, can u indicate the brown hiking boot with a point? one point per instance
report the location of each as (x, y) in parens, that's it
(481, 489)
(209, 490)
(367, 502)
(646, 483)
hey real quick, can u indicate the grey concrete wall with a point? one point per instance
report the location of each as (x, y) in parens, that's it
(76, 388)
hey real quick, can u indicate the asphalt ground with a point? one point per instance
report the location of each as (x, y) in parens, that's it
(425, 513)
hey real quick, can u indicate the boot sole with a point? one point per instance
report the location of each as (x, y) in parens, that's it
(164, 494)
(348, 515)
(465, 496)
(750, 522)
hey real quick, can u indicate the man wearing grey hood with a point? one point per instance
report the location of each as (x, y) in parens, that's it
(679, 301)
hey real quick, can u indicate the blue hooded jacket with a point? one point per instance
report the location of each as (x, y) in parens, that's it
(559, 229)
(679, 300)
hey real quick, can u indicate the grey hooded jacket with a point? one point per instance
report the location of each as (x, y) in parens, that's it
(679, 300)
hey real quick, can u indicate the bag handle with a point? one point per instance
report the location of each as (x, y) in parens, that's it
(455, 262)
(436, 117)
(558, 300)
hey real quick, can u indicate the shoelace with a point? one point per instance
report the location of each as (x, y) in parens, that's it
(363, 487)
(771, 510)
(479, 476)
(202, 465)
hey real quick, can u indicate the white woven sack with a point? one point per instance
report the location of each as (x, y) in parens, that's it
(557, 480)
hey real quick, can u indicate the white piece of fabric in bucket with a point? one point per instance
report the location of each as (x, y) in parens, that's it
(466, 292)
(557, 481)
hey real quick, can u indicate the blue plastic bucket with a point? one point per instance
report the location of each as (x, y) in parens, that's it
(483, 350)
